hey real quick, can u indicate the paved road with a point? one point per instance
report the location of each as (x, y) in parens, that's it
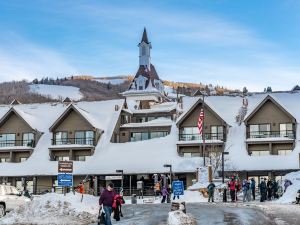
(206, 214)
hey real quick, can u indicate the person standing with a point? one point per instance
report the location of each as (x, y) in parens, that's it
(252, 186)
(211, 190)
(157, 189)
(164, 193)
(269, 189)
(107, 200)
(287, 183)
(232, 189)
(245, 189)
(263, 190)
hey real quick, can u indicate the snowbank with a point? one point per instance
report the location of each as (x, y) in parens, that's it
(54, 209)
(57, 91)
(179, 218)
(290, 195)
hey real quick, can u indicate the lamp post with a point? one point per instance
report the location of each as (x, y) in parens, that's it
(122, 172)
(223, 153)
(169, 166)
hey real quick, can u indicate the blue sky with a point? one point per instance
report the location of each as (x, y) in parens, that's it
(231, 43)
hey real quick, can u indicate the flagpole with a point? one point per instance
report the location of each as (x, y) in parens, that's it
(203, 130)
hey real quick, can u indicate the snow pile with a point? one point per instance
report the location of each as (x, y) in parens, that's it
(180, 218)
(203, 179)
(290, 195)
(57, 91)
(54, 209)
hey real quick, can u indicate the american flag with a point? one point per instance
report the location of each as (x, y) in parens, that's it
(200, 121)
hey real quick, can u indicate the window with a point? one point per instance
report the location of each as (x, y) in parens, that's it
(2, 160)
(260, 130)
(190, 133)
(84, 137)
(139, 136)
(216, 133)
(62, 158)
(260, 153)
(23, 159)
(7, 140)
(82, 157)
(61, 138)
(151, 118)
(284, 152)
(28, 139)
(286, 130)
(191, 154)
(158, 134)
(141, 119)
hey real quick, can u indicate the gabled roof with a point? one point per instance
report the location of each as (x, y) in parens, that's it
(16, 112)
(209, 107)
(80, 112)
(151, 74)
(67, 100)
(260, 104)
(15, 102)
(145, 37)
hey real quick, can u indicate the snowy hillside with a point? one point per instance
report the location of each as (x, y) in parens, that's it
(57, 91)
(111, 81)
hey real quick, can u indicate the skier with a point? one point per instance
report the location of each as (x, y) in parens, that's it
(252, 186)
(232, 189)
(211, 190)
(263, 190)
(164, 193)
(107, 199)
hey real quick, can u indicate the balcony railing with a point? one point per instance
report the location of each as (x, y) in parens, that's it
(207, 136)
(272, 134)
(74, 141)
(12, 143)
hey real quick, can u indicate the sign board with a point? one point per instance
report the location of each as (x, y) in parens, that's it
(177, 187)
(65, 166)
(65, 179)
(113, 177)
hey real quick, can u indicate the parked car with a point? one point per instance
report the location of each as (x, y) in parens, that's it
(10, 198)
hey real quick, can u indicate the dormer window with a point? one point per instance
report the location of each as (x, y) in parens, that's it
(141, 82)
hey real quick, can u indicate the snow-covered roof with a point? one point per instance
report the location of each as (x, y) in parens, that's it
(262, 102)
(159, 122)
(149, 156)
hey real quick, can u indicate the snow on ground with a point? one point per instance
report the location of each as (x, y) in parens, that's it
(56, 91)
(55, 209)
(290, 195)
(180, 218)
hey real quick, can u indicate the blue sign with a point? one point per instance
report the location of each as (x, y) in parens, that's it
(177, 187)
(65, 179)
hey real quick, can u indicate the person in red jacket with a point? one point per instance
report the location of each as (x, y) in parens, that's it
(232, 187)
(107, 200)
(117, 207)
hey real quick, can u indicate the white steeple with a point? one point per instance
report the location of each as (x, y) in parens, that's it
(144, 47)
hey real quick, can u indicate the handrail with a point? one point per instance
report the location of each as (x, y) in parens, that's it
(12, 143)
(208, 136)
(272, 134)
(79, 141)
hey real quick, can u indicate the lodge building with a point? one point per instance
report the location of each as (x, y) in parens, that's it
(146, 129)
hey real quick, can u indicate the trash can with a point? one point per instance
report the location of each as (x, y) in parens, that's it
(133, 199)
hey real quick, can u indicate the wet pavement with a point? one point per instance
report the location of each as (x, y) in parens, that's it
(205, 214)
